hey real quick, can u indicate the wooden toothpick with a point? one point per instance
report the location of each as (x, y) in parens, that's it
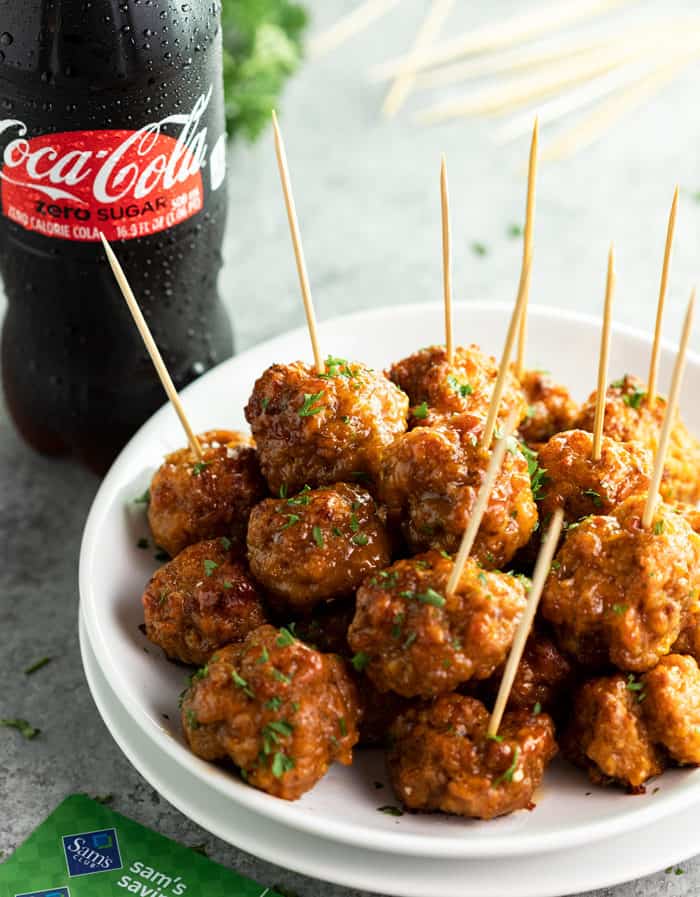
(542, 568)
(151, 347)
(480, 504)
(656, 349)
(353, 23)
(429, 30)
(528, 244)
(603, 361)
(297, 244)
(499, 386)
(669, 417)
(446, 261)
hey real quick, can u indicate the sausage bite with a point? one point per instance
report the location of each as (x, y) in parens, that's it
(438, 390)
(317, 545)
(550, 408)
(625, 730)
(200, 601)
(443, 759)
(620, 594)
(629, 418)
(413, 639)
(581, 486)
(279, 710)
(430, 480)
(319, 429)
(192, 500)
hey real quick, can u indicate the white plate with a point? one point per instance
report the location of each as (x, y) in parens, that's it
(596, 865)
(344, 805)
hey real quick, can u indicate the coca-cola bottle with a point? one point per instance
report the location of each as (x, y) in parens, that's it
(111, 119)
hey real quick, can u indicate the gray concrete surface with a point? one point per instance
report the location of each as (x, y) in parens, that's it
(368, 203)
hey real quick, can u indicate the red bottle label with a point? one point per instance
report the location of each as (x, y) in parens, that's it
(75, 184)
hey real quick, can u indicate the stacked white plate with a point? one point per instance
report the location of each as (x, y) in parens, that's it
(578, 838)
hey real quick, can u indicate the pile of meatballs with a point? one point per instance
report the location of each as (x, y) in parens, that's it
(307, 584)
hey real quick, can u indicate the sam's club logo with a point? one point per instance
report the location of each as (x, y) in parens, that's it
(52, 892)
(92, 852)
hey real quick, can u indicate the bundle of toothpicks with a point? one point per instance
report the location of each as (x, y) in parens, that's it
(593, 59)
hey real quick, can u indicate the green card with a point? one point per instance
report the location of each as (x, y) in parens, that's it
(84, 849)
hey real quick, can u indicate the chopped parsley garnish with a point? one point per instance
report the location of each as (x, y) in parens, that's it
(537, 709)
(515, 230)
(619, 608)
(354, 523)
(264, 655)
(619, 384)
(285, 638)
(397, 626)
(209, 566)
(479, 248)
(420, 412)
(143, 499)
(424, 565)
(318, 535)
(192, 720)
(342, 725)
(410, 639)
(302, 498)
(360, 539)
(360, 661)
(634, 399)
(337, 367)
(291, 520)
(445, 554)
(242, 684)
(498, 738)
(337, 532)
(142, 543)
(310, 407)
(594, 496)
(280, 676)
(278, 727)
(37, 666)
(429, 596)
(281, 763)
(538, 475)
(201, 673)
(390, 810)
(482, 578)
(225, 543)
(637, 687)
(462, 389)
(264, 403)
(658, 527)
(508, 774)
(385, 579)
(199, 467)
(283, 490)
(228, 584)
(274, 703)
(25, 729)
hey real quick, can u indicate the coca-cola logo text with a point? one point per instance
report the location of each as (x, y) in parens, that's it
(74, 184)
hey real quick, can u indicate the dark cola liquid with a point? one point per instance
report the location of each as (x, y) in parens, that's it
(111, 118)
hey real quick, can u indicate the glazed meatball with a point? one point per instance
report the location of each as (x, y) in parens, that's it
(542, 681)
(628, 418)
(442, 758)
(321, 429)
(671, 706)
(191, 500)
(279, 710)
(430, 480)
(621, 594)
(200, 601)
(437, 389)
(412, 639)
(608, 736)
(581, 486)
(550, 408)
(317, 545)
